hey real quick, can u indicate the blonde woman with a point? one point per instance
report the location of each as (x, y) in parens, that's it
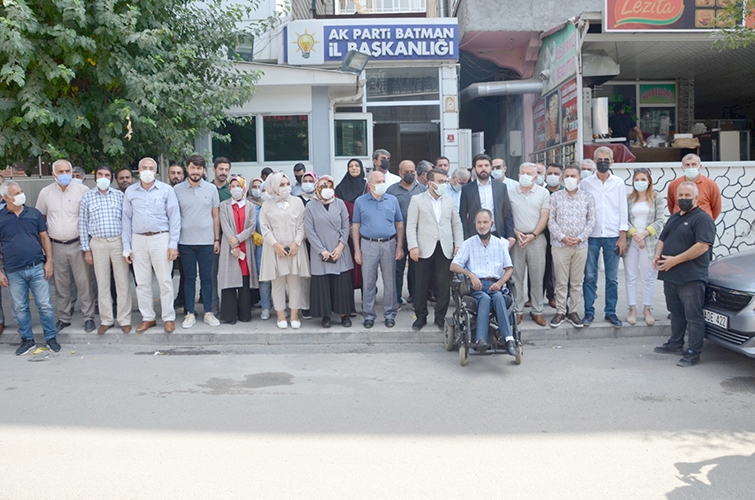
(284, 262)
(647, 215)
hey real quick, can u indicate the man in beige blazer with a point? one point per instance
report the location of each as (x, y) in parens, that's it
(434, 234)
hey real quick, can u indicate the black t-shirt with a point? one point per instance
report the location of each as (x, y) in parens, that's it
(680, 233)
(621, 125)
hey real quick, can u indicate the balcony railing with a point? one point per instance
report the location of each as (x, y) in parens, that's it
(346, 7)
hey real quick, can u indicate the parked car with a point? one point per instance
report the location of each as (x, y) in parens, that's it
(730, 303)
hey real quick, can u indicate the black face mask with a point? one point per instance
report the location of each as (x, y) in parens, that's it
(484, 236)
(603, 166)
(408, 178)
(385, 164)
(299, 178)
(685, 205)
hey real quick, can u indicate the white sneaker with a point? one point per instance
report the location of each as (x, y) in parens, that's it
(265, 314)
(283, 324)
(295, 324)
(211, 320)
(189, 320)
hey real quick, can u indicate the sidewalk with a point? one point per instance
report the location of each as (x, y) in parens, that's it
(259, 332)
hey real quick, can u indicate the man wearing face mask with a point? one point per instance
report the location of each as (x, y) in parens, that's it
(570, 222)
(404, 191)
(485, 260)
(151, 229)
(100, 229)
(709, 197)
(377, 231)
(682, 257)
(553, 174)
(434, 235)
(423, 167)
(299, 170)
(456, 182)
(609, 235)
(530, 206)
(60, 203)
(79, 175)
(498, 173)
(381, 162)
(540, 169)
(487, 194)
(199, 242)
(26, 265)
(586, 168)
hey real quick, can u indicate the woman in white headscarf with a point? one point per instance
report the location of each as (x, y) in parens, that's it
(284, 263)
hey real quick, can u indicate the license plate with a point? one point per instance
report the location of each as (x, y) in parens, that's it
(716, 319)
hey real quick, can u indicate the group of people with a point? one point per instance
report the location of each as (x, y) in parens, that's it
(302, 246)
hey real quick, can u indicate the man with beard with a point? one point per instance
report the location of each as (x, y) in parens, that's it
(124, 178)
(443, 163)
(484, 193)
(299, 170)
(381, 162)
(177, 174)
(222, 169)
(608, 235)
(200, 237)
(485, 260)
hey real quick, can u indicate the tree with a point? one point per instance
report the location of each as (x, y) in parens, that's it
(737, 20)
(113, 80)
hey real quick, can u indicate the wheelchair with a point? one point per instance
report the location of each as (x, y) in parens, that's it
(460, 327)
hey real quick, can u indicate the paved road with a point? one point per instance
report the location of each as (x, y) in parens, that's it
(584, 419)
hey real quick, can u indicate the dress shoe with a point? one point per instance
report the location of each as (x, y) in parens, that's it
(103, 328)
(690, 358)
(538, 318)
(170, 326)
(575, 321)
(589, 318)
(89, 325)
(668, 348)
(481, 346)
(528, 303)
(557, 320)
(418, 324)
(126, 328)
(326, 322)
(512, 348)
(552, 303)
(345, 321)
(60, 325)
(518, 319)
(145, 325)
(390, 323)
(368, 323)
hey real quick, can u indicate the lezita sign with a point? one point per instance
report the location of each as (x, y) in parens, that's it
(663, 15)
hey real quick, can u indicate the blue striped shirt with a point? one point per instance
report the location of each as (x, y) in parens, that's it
(100, 216)
(484, 261)
(150, 211)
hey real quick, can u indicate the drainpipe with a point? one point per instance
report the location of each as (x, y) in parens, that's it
(485, 89)
(442, 8)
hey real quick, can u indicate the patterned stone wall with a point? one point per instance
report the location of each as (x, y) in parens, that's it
(735, 227)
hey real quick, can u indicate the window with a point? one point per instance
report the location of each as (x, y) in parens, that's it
(349, 7)
(351, 137)
(403, 84)
(286, 138)
(243, 145)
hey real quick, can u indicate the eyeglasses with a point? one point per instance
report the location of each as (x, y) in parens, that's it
(642, 170)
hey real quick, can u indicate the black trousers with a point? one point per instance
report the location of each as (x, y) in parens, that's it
(685, 303)
(438, 266)
(236, 303)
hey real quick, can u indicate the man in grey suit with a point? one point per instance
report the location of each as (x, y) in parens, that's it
(434, 233)
(484, 193)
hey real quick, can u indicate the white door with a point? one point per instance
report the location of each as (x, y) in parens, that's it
(352, 138)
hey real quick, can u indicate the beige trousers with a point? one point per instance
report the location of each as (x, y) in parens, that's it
(107, 252)
(69, 267)
(294, 283)
(569, 272)
(151, 253)
(529, 260)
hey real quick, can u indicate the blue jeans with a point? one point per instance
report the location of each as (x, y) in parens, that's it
(485, 299)
(191, 255)
(32, 279)
(611, 264)
(266, 288)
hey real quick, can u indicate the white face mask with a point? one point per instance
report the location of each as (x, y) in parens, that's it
(553, 180)
(440, 189)
(539, 180)
(256, 193)
(308, 187)
(380, 189)
(103, 183)
(585, 173)
(148, 176)
(496, 174)
(284, 191)
(78, 181)
(526, 180)
(570, 183)
(19, 199)
(328, 193)
(691, 173)
(237, 193)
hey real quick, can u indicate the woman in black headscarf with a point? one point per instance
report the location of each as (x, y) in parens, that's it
(351, 187)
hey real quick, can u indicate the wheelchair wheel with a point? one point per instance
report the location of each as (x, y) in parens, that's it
(448, 331)
(463, 355)
(518, 359)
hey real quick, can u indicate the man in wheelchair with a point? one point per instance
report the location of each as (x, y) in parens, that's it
(485, 260)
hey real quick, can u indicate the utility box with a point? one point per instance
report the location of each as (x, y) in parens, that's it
(515, 143)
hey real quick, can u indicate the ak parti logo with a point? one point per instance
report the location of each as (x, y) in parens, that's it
(652, 12)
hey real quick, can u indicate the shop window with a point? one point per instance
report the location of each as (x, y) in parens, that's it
(243, 145)
(403, 84)
(286, 137)
(351, 137)
(621, 95)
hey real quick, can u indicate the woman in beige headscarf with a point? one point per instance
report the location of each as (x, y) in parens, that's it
(283, 261)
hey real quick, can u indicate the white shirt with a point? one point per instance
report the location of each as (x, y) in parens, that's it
(611, 212)
(437, 206)
(391, 179)
(486, 195)
(510, 183)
